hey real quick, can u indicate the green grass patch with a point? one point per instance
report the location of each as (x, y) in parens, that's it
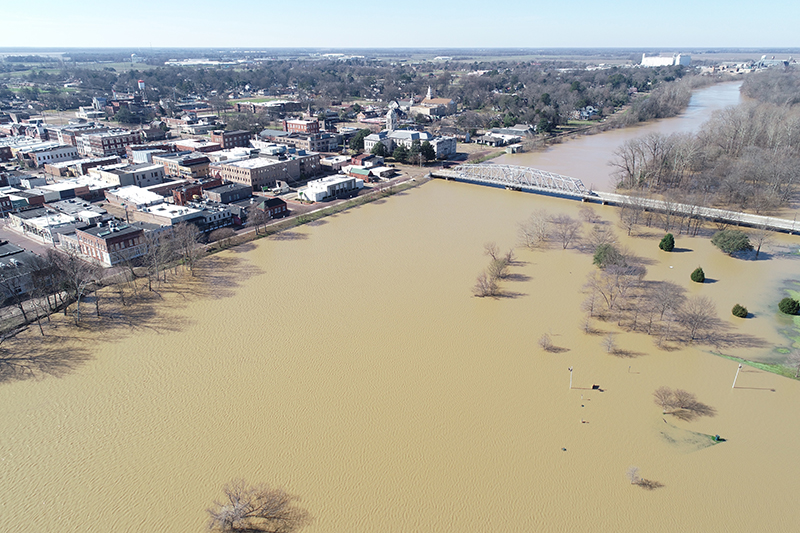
(773, 368)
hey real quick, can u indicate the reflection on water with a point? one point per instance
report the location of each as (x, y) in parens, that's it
(588, 157)
(352, 367)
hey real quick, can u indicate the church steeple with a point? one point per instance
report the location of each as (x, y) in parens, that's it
(430, 93)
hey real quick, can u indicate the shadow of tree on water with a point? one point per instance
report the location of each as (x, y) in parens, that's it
(288, 236)
(52, 355)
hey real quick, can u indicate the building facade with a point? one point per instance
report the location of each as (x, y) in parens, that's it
(111, 244)
(230, 139)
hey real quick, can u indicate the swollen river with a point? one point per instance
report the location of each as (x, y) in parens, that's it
(589, 157)
(349, 363)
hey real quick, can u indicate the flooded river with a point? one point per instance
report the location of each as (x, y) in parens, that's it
(588, 157)
(348, 363)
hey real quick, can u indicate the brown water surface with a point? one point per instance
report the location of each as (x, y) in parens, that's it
(589, 157)
(350, 364)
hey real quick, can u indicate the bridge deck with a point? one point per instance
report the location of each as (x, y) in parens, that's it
(543, 182)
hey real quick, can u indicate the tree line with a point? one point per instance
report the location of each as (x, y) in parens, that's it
(62, 279)
(745, 157)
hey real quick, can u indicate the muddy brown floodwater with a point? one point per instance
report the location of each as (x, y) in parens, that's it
(588, 157)
(348, 363)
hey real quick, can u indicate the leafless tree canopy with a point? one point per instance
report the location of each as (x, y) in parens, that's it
(566, 229)
(256, 508)
(533, 231)
(681, 404)
(485, 285)
(745, 157)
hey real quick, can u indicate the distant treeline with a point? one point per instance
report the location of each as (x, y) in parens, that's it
(781, 87)
(31, 59)
(745, 157)
(545, 93)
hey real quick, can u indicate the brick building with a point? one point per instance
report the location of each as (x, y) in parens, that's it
(261, 172)
(230, 139)
(112, 244)
(109, 143)
(189, 166)
(298, 125)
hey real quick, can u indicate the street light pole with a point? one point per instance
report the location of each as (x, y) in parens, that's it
(736, 377)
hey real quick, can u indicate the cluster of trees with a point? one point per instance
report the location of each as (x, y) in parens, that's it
(63, 278)
(542, 228)
(745, 157)
(681, 404)
(487, 283)
(618, 290)
(545, 93)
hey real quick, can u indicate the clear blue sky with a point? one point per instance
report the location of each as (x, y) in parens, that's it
(404, 23)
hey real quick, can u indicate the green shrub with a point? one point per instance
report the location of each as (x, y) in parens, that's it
(789, 306)
(667, 242)
(739, 311)
(731, 241)
(606, 255)
(698, 276)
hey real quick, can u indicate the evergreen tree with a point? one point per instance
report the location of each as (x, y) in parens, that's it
(789, 306)
(698, 276)
(739, 311)
(667, 242)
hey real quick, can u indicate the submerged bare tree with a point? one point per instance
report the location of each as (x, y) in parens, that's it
(533, 231)
(485, 285)
(256, 508)
(698, 316)
(566, 229)
(681, 404)
(186, 237)
(75, 275)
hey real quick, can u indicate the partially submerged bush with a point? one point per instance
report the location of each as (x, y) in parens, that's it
(789, 306)
(667, 242)
(698, 276)
(739, 311)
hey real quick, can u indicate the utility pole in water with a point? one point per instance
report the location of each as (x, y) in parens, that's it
(736, 377)
(570, 378)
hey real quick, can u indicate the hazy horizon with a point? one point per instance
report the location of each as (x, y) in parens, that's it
(413, 24)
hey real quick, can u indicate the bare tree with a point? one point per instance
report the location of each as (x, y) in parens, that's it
(666, 295)
(492, 250)
(498, 269)
(760, 237)
(610, 343)
(186, 239)
(598, 236)
(698, 315)
(633, 476)
(485, 285)
(588, 214)
(75, 275)
(681, 404)
(159, 252)
(256, 218)
(254, 508)
(533, 232)
(663, 397)
(565, 229)
(222, 236)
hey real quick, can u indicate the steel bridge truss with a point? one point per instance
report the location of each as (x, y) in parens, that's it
(521, 178)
